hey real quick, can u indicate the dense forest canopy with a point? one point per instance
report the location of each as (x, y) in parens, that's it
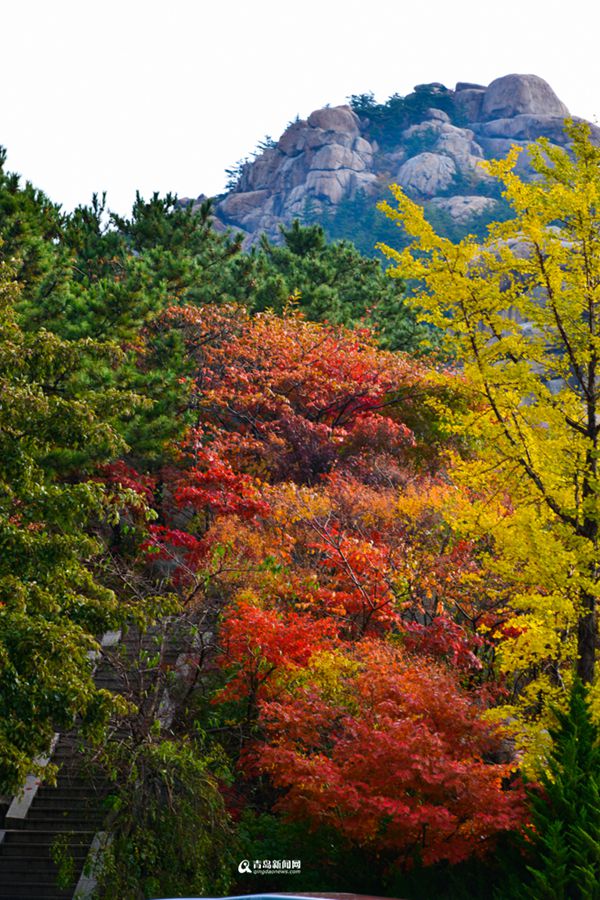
(363, 509)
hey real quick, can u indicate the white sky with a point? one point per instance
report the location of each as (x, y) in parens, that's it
(125, 94)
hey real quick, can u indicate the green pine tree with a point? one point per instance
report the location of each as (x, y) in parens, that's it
(565, 836)
(54, 431)
(336, 284)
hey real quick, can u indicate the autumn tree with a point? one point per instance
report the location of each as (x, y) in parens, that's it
(286, 517)
(280, 400)
(521, 313)
(339, 629)
(287, 397)
(387, 749)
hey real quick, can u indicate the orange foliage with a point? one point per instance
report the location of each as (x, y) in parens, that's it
(307, 500)
(396, 762)
(289, 399)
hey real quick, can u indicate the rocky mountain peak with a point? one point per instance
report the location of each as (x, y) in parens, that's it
(431, 142)
(517, 95)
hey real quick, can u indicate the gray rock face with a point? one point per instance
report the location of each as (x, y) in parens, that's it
(468, 86)
(426, 174)
(334, 156)
(437, 115)
(460, 145)
(525, 127)
(329, 157)
(434, 87)
(516, 95)
(498, 148)
(240, 206)
(530, 128)
(317, 161)
(336, 118)
(468, 103)
(463, 210)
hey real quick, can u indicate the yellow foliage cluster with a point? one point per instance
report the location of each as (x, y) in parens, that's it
(520, 313)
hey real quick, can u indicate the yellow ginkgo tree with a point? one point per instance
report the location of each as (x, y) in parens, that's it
(520, 312)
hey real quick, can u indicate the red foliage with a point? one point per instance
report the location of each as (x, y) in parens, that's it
(174, 544)
(263, 643)
(396, 763)
(211, 487)
(125, 477)
(299, 500)
(218, 488)
(355, 576)
(446, 640)
(293, 399)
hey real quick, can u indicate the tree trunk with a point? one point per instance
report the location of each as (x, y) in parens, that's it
(586, 640)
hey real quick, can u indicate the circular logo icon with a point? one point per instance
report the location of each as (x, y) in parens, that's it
(244, 867)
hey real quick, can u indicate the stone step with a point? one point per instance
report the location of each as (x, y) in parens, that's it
(67, 743)
(64, 747)
(59, 802)
(58, 822)
(40, 850)
(22, 867)
(81, 807)
(68, 798)
(34, 890)
(33, 853)
(21, 837)
(74, 790)
(63, 750)
(67, 787)
(72, 811)
(72, 769)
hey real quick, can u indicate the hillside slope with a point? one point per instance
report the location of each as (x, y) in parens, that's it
(337, 162)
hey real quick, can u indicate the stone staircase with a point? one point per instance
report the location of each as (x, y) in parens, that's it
(43, 853)
(49, 846)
